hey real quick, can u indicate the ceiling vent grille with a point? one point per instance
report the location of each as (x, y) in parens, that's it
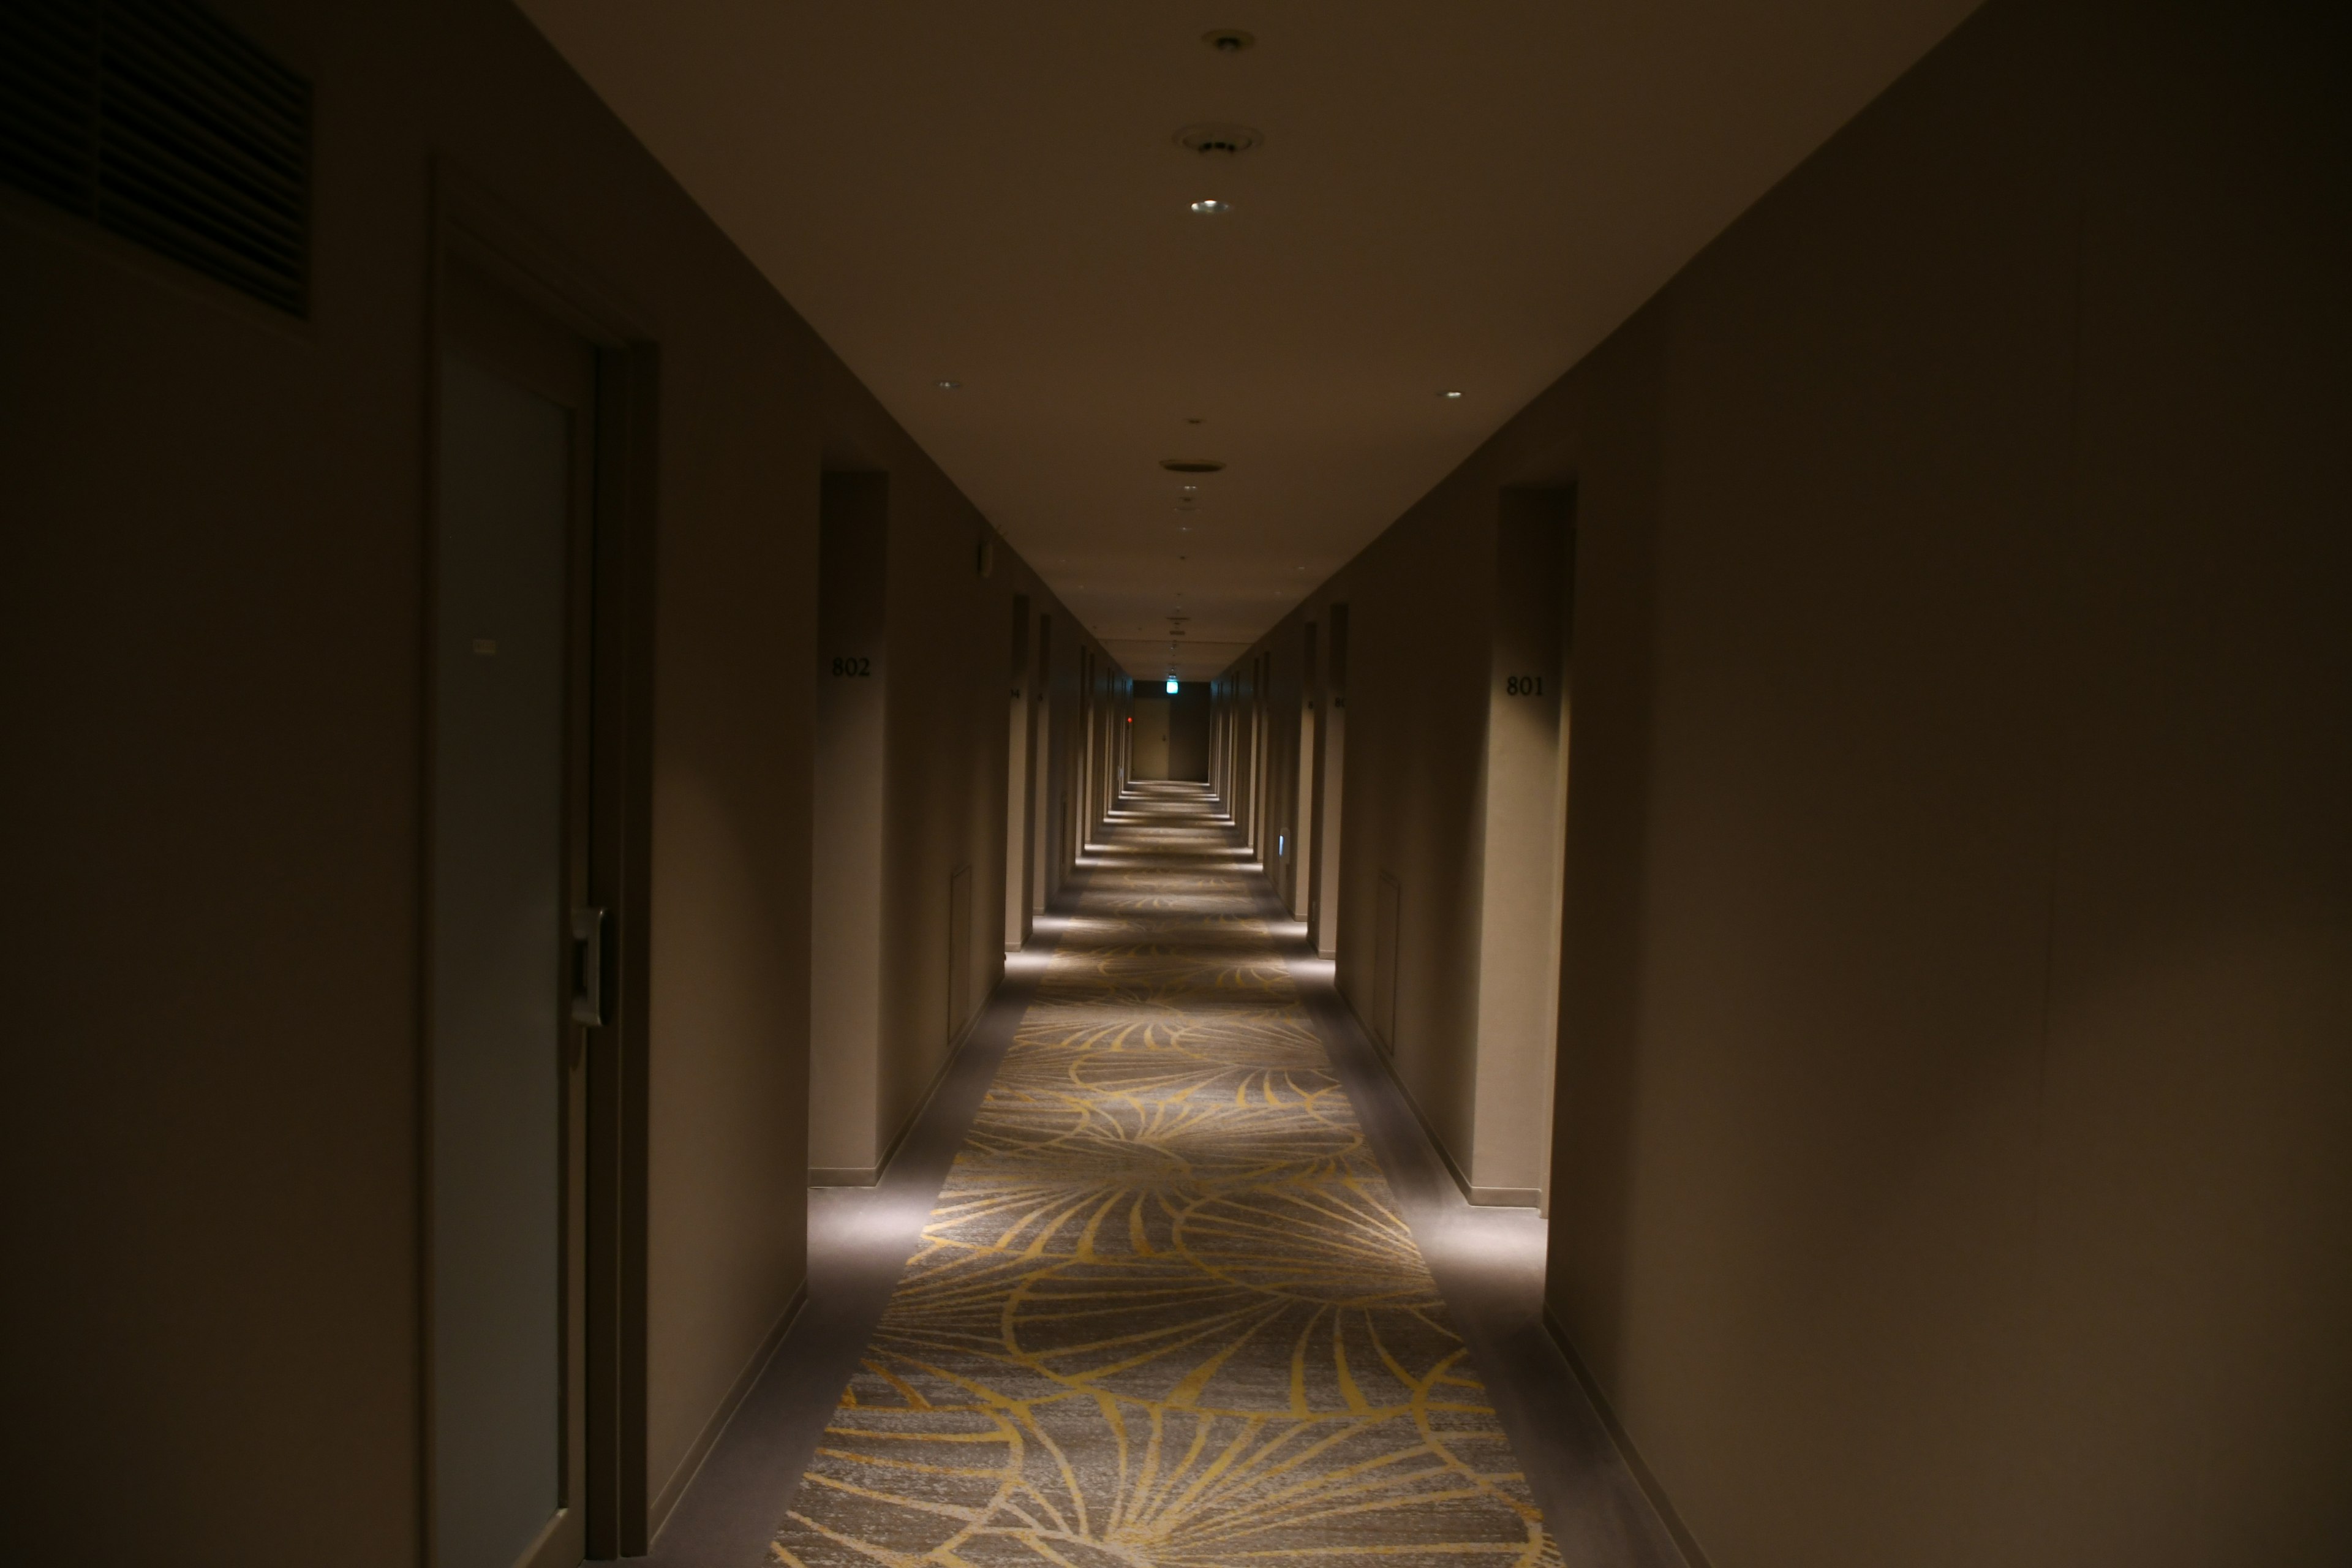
(1225, 140)
(160, 122)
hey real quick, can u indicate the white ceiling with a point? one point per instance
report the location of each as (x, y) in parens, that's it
(1468, 196)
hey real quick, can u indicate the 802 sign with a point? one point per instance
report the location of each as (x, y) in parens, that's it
(853, 668)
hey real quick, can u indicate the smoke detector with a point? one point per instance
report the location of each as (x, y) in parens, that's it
(1191, 464)
(1219, 140)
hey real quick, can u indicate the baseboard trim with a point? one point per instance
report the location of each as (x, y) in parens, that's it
(842, 1175)
(1507, 1197)
(1652, 1488)
(690, 1466)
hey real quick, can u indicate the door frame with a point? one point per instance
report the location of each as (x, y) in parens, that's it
(472, 226)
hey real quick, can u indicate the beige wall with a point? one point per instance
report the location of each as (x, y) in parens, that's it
(1049, 739)
(1521, 795)
(1024, 692)
(1956, 1027)
(212, 696)
(847, 952)
(931, 792)
(1450, 786)
(1985, 1004)
(1420, 617)
(1328, 781)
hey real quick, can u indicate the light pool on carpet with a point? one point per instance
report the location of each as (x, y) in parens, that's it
(1166, 1311)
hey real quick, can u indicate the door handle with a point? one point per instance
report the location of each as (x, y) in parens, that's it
(588, 966)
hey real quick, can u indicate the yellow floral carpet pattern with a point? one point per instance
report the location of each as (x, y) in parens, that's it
(1166, 1311)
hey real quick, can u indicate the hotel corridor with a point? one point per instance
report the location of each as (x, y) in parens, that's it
(1166, 1310)
(1122, 786)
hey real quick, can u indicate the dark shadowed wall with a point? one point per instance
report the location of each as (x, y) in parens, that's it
(1188, 732)
(1956, 1017)
(212, 685)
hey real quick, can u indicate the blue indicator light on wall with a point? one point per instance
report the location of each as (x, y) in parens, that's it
(1171, 686)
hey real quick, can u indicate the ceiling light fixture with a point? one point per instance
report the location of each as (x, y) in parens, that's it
(1451, 396)
(1228, 40)
(1210, 206)
(1193, 465)
(949, 385)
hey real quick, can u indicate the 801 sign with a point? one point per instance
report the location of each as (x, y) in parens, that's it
(1523, 686)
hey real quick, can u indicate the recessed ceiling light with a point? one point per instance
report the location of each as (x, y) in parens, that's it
(1228, 40)
(1451, 396)
(949, 385)
(1210, 206)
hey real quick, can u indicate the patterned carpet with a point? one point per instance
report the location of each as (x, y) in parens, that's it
(1166, 1311)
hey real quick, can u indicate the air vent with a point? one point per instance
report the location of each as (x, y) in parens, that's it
(1191, 465)
(1222, 141)
(160, 122)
